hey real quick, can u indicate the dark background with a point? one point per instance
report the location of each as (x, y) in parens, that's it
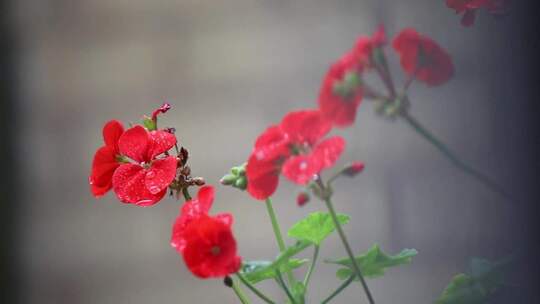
(230, 69)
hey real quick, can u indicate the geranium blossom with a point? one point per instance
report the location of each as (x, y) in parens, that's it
(205, 242)
(423, 58)
(469, 7)
(294, 148)
(341, 90)
(145, 179)
(106, 159)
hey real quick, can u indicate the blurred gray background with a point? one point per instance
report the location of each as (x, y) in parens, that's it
(231, 68)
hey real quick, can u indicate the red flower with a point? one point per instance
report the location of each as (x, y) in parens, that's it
(293, 148)
(423, 58)
(205, 242)
(144, 181)
(341, 92)
(469, 7)
(105, 160)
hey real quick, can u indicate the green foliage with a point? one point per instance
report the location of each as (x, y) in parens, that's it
(316, 227)
(374, 262)
(475, 287)
(257, 271)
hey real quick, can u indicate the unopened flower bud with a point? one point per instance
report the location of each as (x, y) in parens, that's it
(199, 181)
(241, 183)
(228, 281)
(228, 179)
(353, 169)
(163, 109)
(302, 198)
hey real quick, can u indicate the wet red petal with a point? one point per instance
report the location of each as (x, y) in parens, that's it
(161, 174)
(262, 175)
(301, 169)
(205, 196)
(129, 185)
(327, 152)
(160, 142)
(112, 132)
(134, 143)
(305, 126)
(103, 167)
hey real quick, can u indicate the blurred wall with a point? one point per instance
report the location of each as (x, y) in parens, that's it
(230, 68)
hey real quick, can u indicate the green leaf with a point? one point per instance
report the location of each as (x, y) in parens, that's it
(256, 271)
(316, 227)
(374, 262)
(476, 287)
(463, 289)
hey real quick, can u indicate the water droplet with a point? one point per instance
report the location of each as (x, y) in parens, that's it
(151, 174)
(303, 166)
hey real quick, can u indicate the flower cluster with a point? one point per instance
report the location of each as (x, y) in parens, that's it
(205, 242)
(294, 148)
(469, 7)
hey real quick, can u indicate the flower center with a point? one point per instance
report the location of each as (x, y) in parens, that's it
(347, 87)
(215, 250)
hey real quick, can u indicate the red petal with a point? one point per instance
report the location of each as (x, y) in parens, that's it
(103, 167)
(112, 132)
(161, 174)
(306, 126)
(134, 143)
(300, 169)
(205, 196)
(129, 186)
(262, 175)
(328, 151)
(161, 142)
(273, 135)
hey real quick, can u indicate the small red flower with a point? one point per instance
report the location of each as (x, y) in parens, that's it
(105, 160)
(293, 148)
(341, 90)
(354, 168)
(423, 58)
(205, 242)
(469, 7)
(144, 181)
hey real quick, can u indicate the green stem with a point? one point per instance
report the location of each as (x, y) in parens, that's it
(279, 236)
(338, 290)
(341, 234)
(254, 289)
(284, 286)
(452, 157)
(185, 193)
(238, 291)
(311, 266)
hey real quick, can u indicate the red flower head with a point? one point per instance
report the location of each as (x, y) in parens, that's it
(105, 159)
(144, 181)
(469, 7)
(423, 58)
(293, 148)
(206, 242)
(341, 92)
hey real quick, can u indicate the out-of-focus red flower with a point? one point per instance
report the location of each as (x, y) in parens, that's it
(423, 58)
(354, 168)
(205, 242)
(144, 181)
(469, 7)
(341, 90)
(105, 160)
(293, 148)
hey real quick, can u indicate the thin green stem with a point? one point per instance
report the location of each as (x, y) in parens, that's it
(311, 266)
(185, 193)
(341, 234)
(238, 291)
(338, 290)
(452, 157)
(254, 289)
(284, 286)
(279, 236)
